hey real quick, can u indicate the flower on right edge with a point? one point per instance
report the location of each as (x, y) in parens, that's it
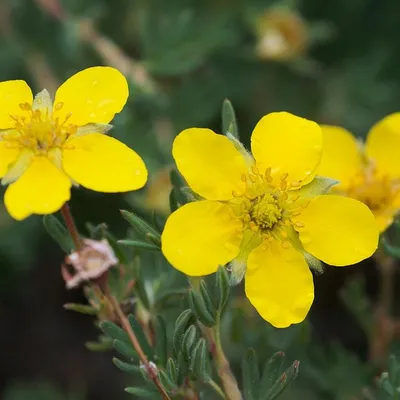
(266, 214)
(367, 172)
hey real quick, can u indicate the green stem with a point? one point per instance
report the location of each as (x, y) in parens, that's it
(216, 387)
(228, 380)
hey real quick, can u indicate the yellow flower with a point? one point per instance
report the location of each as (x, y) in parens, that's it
(370, 172)
(45, 148)
(265, 212)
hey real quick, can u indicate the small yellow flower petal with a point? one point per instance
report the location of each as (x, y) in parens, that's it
(383, 145)
(7, 157)
(279, 284)
(210, 163)
(42, 189)
(338, 230)
(93, 95)
(200, 236)
(102, 163)
(12, 94)
(341, 158)
(288, 145)
(384, 220)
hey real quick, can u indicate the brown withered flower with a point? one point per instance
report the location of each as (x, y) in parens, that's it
(91, 263)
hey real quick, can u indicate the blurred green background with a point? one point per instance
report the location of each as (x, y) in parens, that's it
(331, 61)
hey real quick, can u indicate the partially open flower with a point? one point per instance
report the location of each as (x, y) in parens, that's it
(90, 263)
(282, 35)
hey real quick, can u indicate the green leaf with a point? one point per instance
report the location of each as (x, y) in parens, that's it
(200, 362)
(283, 382)
(125, 349)
(99, 346)
(394, 371)
(81, 308)
(141, 226)
(223, 288)
(188, 340)
(229, 123)
(140, 392)
(199, 308)
(139, 245)
(165, 380)
(114, 331)
(161, 341)
(126, 367)
(172, 370)
(58, 232)
(180, 327)
(271, 372)
(138, 330)
(207, 299)
(250, 375)
(173, 200)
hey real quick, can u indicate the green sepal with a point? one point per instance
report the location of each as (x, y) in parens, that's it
(250, 375)
(199, 308)
(229, 122)
(125, 367)
(58, 232)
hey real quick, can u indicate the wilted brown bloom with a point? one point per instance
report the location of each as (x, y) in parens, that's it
(90, 263)
(282, 35)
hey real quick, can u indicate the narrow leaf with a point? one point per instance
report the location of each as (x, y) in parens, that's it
(272, 371)
(139, 224)
(138, 330)
(223, 287)
(137, 244)
(166, 381)
(200, 361)
(125, 349)
(200, 310)
(161, 342)
(284, 381)
(172, 370)
(180, 327)
(58, 232)
(114, 331)
(188, 340)
(250, 375)
(207, 299)
(140, 392)
(81, 308)
(125, 367)
(99, 346)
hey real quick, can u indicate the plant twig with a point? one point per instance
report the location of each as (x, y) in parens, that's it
(229, 383)
(135, 343)
(216, 387)
(71, 227)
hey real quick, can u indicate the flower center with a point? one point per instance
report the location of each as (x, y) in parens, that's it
(267, 207)
(377, 192)
(265, 211)
(37, 129)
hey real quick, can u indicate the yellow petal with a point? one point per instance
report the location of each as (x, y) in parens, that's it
(200, 236)
(42, 189)
(341, 158)
(12, 94)
(384, 219)
(288, 145)
(383, 145)
(93, 95)
(102, 163)
(210, 163)
(279, 284)
(7, 157)
(338, 230)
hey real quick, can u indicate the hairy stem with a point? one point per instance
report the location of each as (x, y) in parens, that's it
(71, 227)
